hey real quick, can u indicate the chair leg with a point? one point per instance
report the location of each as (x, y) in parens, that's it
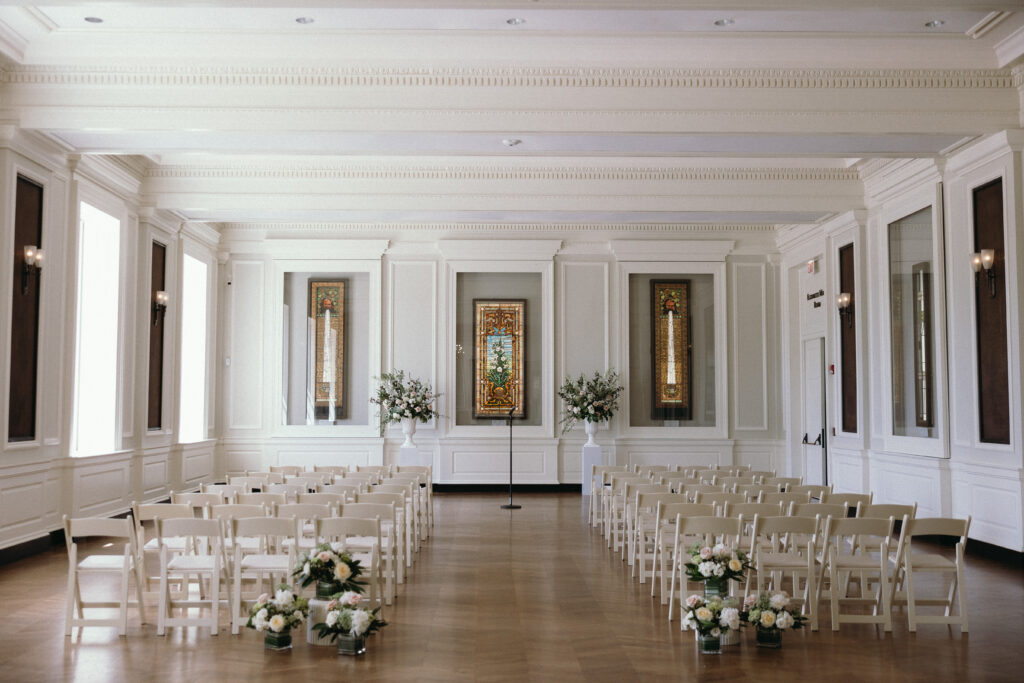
(911, 600)
(215, 599)
(163, 610)
(236, 597)
(139, 594)
(122, 629)
(69, 609)
(961, 593)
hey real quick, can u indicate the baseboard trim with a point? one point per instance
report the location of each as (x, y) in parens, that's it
(503, 488)
(20, 551)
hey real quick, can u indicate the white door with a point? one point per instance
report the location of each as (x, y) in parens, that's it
(815, 471)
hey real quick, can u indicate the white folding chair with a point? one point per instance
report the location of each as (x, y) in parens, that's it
(205, 559)
(936, 564)
(858, 546)
(398, 518)
(148, 512)
(385, 512)
(781, 545)
(362, 538)
(664, 547)
(278, 537)
(124, 564)
(711, 530)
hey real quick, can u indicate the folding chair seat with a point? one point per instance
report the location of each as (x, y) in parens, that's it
(124, 564)
(666, 517)
(385, 512)
(353, 532)
(286, 469)
(857, 546)
(711, 530)
(781, 545)
(915, 563)
(205, 558)
(278, 537)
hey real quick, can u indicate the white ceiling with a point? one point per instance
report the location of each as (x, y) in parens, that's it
(240, 84)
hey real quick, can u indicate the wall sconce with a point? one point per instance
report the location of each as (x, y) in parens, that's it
(159, 305)
(984, 260)
(845, 304)
(33, 264)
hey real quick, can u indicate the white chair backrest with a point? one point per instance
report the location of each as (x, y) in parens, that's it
(267, 499)
(235, 510)
(713, 530)
(338, 528)
(286, 469)
(822, 510)
(304, 511)
(335, 500)
(84, 527)
(886, 510)
(850, 499)
(815, 491)
(196, 500)
(248, 483)
(749, 510)
(226, 491)
(347, 490)
(274, 530)
(331, 469)
(784, 498)
(267, 477)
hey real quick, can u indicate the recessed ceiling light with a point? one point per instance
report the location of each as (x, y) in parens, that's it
(934, 23)
(511, 142)
(94, 20)
(304, 20)
(724, 22)
(515, 21)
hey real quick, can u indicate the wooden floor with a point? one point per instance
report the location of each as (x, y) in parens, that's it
(527, 595)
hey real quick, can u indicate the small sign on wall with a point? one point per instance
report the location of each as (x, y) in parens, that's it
(812, 266)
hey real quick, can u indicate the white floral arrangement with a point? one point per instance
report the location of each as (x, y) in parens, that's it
(398, 397)
(772, 611)
(593, 399)
(345, 617)
(329, 562)
(282, 612)
(710, 617)
(716, 562)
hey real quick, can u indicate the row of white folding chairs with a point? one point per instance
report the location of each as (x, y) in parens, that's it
(843, 553)
(394, 513)
(191, 548)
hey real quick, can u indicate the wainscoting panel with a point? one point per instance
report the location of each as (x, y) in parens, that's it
(847, 473)
(909, 479)
(101, 488)
(992, 497)
(534, 461)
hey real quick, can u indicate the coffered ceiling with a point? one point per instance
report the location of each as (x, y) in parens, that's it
(541, 111)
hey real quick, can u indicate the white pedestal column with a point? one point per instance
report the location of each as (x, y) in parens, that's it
(591, 459)
(409, 456)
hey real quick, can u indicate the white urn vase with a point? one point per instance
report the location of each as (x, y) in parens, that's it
(591, 429)
(408, 428)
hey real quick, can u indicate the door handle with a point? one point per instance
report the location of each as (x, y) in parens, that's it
(817, 442)
(805, 439)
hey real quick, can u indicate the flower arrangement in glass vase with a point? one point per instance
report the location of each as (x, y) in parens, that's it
(591, 399)
(349, 623)
(710, 618)
(771, 614)
(331, 568)
(403, 399)
(715, 566)
(277, 615)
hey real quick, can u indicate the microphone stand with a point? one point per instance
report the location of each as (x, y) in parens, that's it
(510, 506)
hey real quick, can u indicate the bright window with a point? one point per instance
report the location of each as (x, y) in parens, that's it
(193, 351)
(96, 356)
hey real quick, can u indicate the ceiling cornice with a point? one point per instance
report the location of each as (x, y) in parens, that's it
(446, 172)
(514, 77)
(273, 229)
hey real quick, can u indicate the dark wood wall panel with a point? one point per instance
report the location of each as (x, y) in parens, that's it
(848, 342)
(28, 229)
(156, 340)
(993, 375)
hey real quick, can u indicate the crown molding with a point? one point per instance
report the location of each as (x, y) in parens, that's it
(202, 232)
(505, 77)
(498, 250)
(896, 177)
(671, 250)
(343, 171)
(985, 151)
(109, 172)
(292, 229)
(1010, 49)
